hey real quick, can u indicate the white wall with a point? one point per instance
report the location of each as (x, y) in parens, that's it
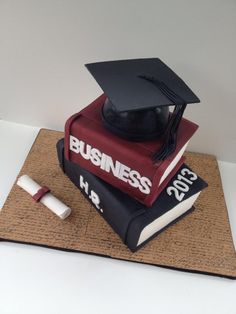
(44, 45)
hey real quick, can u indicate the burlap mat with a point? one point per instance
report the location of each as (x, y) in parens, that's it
(200, 242)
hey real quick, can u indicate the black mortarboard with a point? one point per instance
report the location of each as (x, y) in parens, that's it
(139, 92)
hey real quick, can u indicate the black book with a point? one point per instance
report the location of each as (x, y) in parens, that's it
(135, 223)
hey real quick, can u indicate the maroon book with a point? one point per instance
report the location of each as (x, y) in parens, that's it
(126, 165)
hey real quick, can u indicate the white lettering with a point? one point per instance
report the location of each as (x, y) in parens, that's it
(95, 199)
(83, 184)
(145, 185)
(95, 157)
(74, 144)
(110, 167)
(91, 195)
(85, 150)
(134, 178)
(124, 173)
(107, 164)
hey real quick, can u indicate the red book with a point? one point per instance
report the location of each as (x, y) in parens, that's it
(126, 165)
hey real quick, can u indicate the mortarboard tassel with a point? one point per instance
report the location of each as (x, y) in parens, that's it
(170, 134)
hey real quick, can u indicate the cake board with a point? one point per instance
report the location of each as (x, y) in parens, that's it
(201, 242)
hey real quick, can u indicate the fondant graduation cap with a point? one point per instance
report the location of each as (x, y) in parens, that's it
(139, 93)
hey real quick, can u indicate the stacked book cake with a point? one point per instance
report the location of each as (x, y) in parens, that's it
(125, 150)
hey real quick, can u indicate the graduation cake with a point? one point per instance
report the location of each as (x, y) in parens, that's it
(124, 151)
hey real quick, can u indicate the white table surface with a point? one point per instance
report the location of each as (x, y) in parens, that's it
(39, 280)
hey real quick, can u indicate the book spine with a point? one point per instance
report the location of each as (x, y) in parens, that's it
(112, 162)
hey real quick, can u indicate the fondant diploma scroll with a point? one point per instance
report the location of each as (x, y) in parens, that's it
(43, 195)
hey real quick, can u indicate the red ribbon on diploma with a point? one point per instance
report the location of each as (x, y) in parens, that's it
(41, 192)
